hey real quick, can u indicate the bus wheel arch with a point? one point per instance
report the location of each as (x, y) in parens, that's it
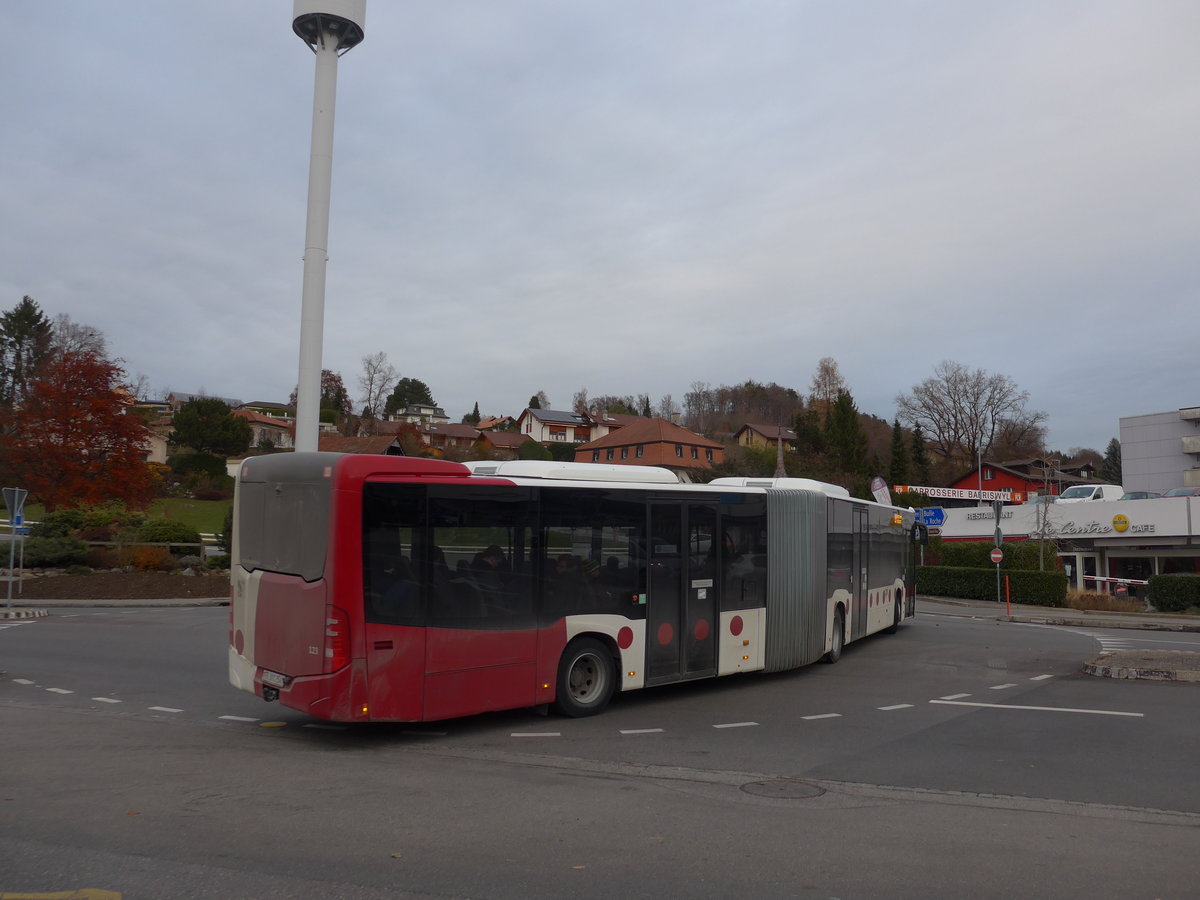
(838, 636)
(586, 679)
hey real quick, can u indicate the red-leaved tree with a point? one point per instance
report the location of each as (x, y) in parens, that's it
(70, 441)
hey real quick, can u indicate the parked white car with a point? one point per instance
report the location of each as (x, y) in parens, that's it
(1081, 492)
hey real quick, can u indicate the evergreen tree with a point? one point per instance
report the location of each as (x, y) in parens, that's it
(844, 435)
(408, 391)
(535, 402)
(473, 417)
(898, 467)
(920, 458)
(25, 341)
(208, 425)
(809, 439)
(1110, 469)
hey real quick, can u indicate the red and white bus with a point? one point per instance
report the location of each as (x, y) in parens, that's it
(393, 589)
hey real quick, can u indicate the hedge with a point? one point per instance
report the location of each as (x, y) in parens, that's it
(975, 555)
(1174, 593)
(1036, 588)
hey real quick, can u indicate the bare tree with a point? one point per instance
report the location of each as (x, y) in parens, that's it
(376, 381)
(579, 403)
(667, 408)
(963, 412)
(75, 337)
(827, 383)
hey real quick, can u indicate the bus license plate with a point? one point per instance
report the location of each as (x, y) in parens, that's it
(274, 679)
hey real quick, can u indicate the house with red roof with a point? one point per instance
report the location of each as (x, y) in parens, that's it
(653, 442)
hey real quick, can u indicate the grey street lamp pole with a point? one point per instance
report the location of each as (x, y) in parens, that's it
(330, 28)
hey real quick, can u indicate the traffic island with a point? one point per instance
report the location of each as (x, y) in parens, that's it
(1151, 665)
(21, 613)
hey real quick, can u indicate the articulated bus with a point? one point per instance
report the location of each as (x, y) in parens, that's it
(392, 589)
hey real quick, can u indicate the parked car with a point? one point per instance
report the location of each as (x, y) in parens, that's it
(1081, 492)
(1140, 495)
(1183, 492)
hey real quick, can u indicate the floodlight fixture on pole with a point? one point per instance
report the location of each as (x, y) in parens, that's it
(330, 28)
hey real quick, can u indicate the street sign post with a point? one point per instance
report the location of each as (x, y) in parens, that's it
(14, 499)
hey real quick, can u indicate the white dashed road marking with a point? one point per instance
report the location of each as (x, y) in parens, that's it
(1001, 687)
(896, 706)
(1094, 712)
(59, 691)
(536, 734)
(822, 716)
(105, 700)
(24, 681)
(642, 731)
(238, 718)
(169, 709)
(736, 725)
(1040, 677)
(955, 696)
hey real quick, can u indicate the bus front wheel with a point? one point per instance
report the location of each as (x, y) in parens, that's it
(839, 638)
(586, 679)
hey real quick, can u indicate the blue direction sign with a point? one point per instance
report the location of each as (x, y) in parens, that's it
(932, 516)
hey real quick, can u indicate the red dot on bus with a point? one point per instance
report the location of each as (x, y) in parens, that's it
(625, 638)
(735, 625)
(701, 630)
(665, 633)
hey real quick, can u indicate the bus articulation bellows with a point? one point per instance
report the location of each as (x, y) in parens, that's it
(392, 589)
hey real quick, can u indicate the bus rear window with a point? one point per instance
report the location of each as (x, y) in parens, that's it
(282, 527)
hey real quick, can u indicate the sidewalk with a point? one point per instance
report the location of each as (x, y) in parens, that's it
(1049, 615)
(1156, 665)
(33, 609)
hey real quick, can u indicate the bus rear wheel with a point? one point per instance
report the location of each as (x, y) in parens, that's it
(587, 678)
(898, 615)
(839, 638)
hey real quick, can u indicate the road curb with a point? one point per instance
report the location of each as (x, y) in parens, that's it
(1123, 624)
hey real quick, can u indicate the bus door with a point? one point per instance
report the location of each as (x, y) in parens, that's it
(858, 619)
(684, 587)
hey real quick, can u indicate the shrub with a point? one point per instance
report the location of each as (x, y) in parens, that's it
(168, 531)
(152, 559)
(184, 464)
(218, 561)
(79, 570)
(54, 552)
(59, 523)
(1036, 588)
(225, 536)
(102, 558)
(1018, 555)
(1174, 593)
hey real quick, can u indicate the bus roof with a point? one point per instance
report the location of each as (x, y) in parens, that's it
(572, 471)
(799, 484)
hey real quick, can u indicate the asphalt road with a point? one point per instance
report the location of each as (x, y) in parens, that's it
(958, 756)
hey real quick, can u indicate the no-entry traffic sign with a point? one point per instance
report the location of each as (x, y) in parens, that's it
(997, 555)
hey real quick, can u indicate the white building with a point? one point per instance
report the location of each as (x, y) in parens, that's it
(1099, 541)
(1161, 451)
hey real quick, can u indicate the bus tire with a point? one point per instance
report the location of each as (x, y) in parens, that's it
(587, 678)
(899, 614)
(839, 638)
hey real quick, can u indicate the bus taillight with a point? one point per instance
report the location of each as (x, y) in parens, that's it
(337, 639)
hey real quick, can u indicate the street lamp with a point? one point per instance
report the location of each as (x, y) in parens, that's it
(330, 28)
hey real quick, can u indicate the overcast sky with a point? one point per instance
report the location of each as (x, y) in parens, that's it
(628, 196)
